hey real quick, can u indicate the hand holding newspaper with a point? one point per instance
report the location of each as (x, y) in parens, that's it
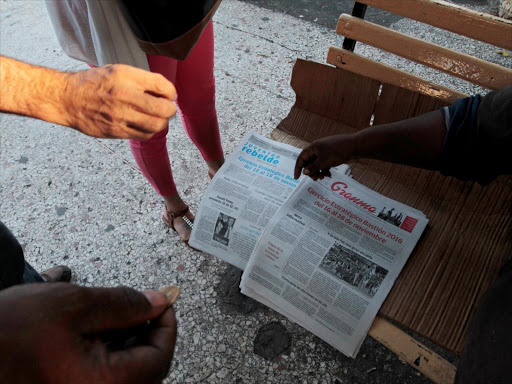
(325, 254)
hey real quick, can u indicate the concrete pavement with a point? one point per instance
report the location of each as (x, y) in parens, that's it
(82, 202)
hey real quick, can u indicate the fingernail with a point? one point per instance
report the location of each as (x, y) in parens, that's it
(157, 299)
(306, 171)
(171, 293)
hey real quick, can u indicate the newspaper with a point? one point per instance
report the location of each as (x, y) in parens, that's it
(330, 255)
(243, 196)
(325, 254)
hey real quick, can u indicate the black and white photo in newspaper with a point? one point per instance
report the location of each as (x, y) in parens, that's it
(327, 260)
(242, 198)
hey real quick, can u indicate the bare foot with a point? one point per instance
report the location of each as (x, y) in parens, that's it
(214, 166)
(174, 204)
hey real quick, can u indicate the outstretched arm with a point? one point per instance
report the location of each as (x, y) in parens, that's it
(471, 140)
(417, 141)
(114, 101)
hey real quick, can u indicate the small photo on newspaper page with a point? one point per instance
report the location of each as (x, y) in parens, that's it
(243, 197)
(223, 228)
(362, 274)
(329, 257)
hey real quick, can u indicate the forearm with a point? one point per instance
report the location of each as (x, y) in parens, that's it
(417, 141)
(32, 91)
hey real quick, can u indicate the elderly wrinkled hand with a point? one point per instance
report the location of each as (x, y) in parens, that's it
(118, 101)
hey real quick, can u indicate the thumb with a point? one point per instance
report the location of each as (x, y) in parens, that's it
(152, 360)
(117, 308)
(314, 167)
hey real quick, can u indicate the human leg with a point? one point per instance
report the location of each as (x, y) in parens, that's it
(13, 262)
(16, 270)
(195, 85)
(153, 160)
(30, 275)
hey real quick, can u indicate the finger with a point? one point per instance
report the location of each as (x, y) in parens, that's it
(119, 131)
(163, 335)
(136, 133)
(152, 83)
(314, 166)
(145, 123)
(322, 173)
(105, 309)
(141, 364)
(149, 363)
(299, 164)
(156, 84)
(304, 158)
(155, 106)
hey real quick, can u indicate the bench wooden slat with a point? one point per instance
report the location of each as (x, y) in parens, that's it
(451, 17)
(412, 351)
(287, 138)
(355, 96)
(396, 103)
(466, 67)
(386, 74)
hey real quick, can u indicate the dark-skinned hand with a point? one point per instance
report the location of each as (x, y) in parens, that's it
(58, 333)
(316, 159)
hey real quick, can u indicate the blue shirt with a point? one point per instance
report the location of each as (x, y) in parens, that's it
(478, 142)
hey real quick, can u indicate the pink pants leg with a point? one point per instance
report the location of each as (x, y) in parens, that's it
(195, 85)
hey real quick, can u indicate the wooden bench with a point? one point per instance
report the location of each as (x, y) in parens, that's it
(468, 237)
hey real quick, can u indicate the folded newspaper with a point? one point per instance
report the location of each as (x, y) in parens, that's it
(325, 254)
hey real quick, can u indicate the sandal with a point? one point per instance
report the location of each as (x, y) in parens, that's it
(168, 218)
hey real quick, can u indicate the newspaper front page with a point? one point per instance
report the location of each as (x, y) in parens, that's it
(330, 255)
(242, 198)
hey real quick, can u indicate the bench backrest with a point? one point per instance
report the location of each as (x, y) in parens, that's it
(395, 94)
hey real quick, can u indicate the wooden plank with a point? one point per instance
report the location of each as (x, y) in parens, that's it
(412, 351)
(466, 67)
(396, 103)
(386, 74)
(279, 135)
(310, 126)
(452, 17)
(353, 95)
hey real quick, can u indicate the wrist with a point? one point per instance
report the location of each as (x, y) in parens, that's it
(65, 95)
(359, 144)
(53, 97)
(32, 91)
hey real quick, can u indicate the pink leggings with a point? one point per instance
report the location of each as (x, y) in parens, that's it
(195, 85)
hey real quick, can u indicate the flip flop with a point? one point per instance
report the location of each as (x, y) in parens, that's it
(168, 218)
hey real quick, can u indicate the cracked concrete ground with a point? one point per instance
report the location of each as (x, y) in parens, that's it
(82, 202)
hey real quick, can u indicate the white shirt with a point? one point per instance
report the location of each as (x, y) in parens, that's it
(95, 32)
